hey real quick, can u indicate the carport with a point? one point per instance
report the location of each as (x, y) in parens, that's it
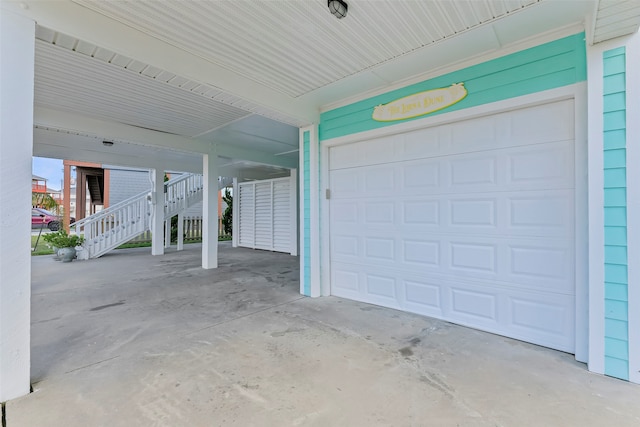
(253, 89)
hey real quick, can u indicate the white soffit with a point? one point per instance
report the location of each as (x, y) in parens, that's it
(72, 82)
(296, 47)
(80, 77)
(615, 18)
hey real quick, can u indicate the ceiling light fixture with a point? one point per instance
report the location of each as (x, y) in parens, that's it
(107, 143)
(338, 8)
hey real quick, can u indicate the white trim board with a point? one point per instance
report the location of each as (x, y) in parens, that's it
(633, 204)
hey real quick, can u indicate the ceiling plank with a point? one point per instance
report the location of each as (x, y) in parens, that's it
(82, 23)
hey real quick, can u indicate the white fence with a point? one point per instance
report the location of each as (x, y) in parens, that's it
(192, 231)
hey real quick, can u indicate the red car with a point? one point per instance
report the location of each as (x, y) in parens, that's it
(44, 218)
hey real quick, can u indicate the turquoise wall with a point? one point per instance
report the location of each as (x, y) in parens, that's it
(306, 185)
(548, 66)
(616, 341)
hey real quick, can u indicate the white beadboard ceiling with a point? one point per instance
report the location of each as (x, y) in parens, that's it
(248, 73)
(296, 47)
(615, 18)
(124, 95)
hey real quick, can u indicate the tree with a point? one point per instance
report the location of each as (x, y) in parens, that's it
(43, 200)
(227, 216)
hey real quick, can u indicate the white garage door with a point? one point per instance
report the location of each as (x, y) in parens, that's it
(471, 222)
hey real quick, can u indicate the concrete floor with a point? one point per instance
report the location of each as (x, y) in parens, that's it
(136, 340)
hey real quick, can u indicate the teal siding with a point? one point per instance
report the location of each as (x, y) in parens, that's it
(548, 66)
(306, 141)
(616, 307)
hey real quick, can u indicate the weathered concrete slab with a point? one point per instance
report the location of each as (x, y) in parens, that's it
(132, 339)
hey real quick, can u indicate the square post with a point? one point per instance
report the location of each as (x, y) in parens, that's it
(210, 209)
(157, 211)
(17, 55)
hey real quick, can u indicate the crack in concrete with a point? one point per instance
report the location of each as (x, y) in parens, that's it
(92, 364)
(102, 307)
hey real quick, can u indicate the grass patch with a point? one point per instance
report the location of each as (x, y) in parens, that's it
(42, 248)
(148, 244)
(135, 245)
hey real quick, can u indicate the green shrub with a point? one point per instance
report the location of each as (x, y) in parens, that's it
(60, 239)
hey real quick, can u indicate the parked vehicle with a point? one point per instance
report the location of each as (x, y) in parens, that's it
(44, 218)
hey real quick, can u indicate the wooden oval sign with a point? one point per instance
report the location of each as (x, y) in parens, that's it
(420, 103)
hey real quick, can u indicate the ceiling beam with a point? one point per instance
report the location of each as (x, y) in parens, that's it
(73, 123)
(95, 131)
(85, 24)
(61, 145)
(228, 150)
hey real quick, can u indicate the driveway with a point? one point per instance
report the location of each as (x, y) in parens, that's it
(136, 340)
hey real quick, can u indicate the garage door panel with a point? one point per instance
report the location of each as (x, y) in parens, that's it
(381, 289)
(379, 213)
(417, 213)
(379, 249)
(344, 213)
(524, 213)
(345, 282)
(375, 151)
(345, 156)
(486, 305)
(543, 213)
(544, 123)
(473, 171)
(541, 321)
(347, 183)
(474, 213)
(471, 222)
(546, 265)
(479, 307)
(473, 258)
(422, 296)
(546, 166)
(523, 169)
(530, 126)
(478, 134)
(379, 179)
(420, 176)
(424, 143)
(421, 252)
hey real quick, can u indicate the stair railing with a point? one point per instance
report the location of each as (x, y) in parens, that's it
(182, 192)
(119, 223)
(114, 225)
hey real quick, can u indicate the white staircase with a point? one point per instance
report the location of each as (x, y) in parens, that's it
(117, 224)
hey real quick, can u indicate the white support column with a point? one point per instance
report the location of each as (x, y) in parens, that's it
(180, 231)
(235, 218)
(293, 197)
(596, 211)
(17, 42)
(157, 211)
(210, 209)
